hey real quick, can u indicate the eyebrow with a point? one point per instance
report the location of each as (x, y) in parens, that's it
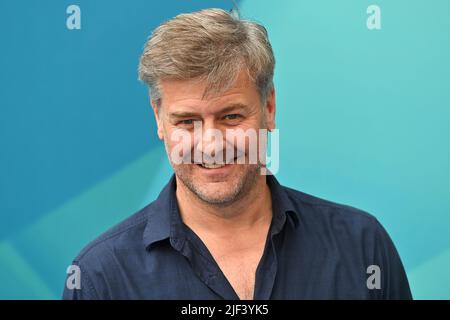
(187, 114)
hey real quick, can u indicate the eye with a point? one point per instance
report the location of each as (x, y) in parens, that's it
(233, 116)
(186, 122)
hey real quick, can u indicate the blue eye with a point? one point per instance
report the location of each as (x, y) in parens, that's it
(233, 116)
(187, 122)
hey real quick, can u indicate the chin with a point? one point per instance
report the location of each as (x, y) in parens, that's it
(216, 192)
(220, 189)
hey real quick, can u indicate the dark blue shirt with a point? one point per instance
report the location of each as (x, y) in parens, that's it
(315, 249)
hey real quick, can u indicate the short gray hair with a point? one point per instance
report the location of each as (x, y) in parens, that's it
(211, 45)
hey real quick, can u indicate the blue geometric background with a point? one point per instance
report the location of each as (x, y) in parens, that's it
(363, 118)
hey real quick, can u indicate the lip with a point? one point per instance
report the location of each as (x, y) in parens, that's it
(216, 171)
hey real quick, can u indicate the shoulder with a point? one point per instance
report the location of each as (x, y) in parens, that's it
(353, 238)
(323, 215)
(345, 231)
(103, 262)
(126, 235)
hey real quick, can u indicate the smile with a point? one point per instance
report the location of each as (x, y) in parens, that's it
(212, 166)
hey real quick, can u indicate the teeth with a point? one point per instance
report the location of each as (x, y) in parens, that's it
(212, 166)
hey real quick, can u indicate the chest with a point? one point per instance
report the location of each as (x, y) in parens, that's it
(238, 256)
(238, 262)
(240, 269)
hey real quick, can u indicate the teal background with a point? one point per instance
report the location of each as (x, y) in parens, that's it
(363, 118)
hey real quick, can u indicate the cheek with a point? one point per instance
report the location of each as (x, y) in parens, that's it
(167, 130)
(178, 144)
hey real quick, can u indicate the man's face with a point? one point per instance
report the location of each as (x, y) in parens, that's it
(183, 105)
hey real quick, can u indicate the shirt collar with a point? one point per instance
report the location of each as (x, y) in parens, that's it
(164, 220)
(159, 216)
(282, 205)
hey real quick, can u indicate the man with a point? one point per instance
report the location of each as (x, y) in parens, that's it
(221, 229)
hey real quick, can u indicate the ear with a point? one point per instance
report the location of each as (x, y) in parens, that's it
(270, 110)
(157, 111)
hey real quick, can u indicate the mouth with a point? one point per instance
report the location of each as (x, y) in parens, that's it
(211, 166)
(217, 165)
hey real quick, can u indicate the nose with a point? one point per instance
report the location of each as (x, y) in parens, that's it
(208, 141)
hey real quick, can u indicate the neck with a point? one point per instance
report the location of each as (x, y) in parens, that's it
(252, 210)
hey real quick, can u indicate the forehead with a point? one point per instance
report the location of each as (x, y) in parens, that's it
(189, 94)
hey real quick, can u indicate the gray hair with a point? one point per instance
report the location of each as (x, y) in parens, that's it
(210, 45)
